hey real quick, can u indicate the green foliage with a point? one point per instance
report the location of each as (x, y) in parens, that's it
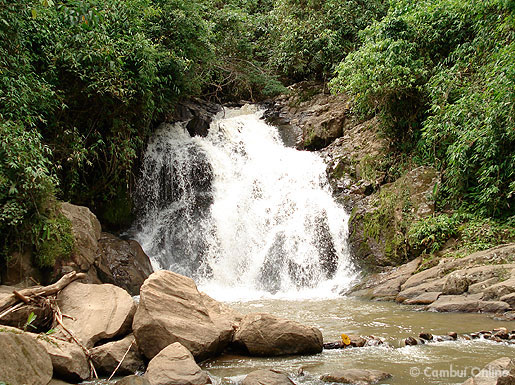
(441, 73)
(428, 235)
(471, 233)
(30, 319)
(311, 36)
(52, 238)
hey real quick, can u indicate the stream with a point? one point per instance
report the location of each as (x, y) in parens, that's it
(255, 224)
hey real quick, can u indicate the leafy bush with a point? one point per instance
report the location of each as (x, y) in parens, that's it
(428, 235)
(440, 74)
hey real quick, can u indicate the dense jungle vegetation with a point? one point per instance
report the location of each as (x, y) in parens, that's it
(83, 83)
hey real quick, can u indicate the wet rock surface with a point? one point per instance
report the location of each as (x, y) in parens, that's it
(356, 376)
(262, 334)
(122, 263)
(267, 377)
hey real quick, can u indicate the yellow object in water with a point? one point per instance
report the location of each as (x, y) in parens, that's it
(345, 339)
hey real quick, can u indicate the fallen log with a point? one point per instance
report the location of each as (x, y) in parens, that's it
(43, 291)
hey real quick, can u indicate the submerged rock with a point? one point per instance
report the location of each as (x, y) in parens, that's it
(99, 311)
(175, 365)
(267, 377)
(133, 380)
(356, 376)
(262, 334)
(23, 359)
(171, 309)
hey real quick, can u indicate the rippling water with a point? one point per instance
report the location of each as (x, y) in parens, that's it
(423, 364)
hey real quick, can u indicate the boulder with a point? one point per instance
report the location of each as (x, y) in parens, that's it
(262, 334)
(267, 377)
(19, 269)
(106, 357)
(392, 281)
(224, 317)
(86, 232)
(122, 263)
(509, 299)
(456, 303)
(133, 380)
(23, 359)
(175, 365)
(99, 311)
(498, 372)
(416, 291)
(499, 290)
(356, 376)
(171, 309)
(68, 359)
(424, 298)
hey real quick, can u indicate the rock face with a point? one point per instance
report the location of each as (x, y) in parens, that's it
(263, 334)
(198, 113)
(498, 372)
(99, 311)
(356, 376)
(29, 363)
(175, 365)
(122, 263)
(267, 377)
(86, 232)
(107, 356)
(171, 309)
(68, 359)
(319, 116)
(481, 282)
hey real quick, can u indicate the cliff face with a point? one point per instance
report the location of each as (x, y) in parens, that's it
(382, 196)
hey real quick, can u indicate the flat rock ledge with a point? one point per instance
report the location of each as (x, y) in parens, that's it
(356, 376)
(481, 282)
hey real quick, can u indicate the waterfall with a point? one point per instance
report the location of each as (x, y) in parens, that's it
(241, 213)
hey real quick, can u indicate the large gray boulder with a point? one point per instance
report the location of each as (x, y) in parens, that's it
(267, 377)
(356, 376)
(174, 365)
(171, 309)
(122, 263)
(106, 357)
(23, 360)
(498, 372)
(98, 312)
(261, 334)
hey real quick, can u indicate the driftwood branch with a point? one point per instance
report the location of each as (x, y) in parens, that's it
(120, 363)
(43, 291)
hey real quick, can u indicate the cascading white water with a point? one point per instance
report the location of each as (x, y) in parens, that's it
(241, 213)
